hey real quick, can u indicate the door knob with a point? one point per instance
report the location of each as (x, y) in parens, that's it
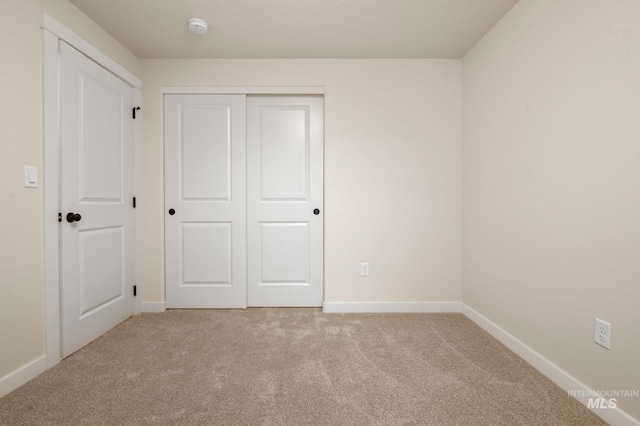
(316, 211)
(172, 212)
(73, 217)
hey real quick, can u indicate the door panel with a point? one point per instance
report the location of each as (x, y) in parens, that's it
(102, 123)
(207, 252)
(284, 152)
(97, 252)
(284, 186)
(206, 152)
(205, 184)
(101, 257)
(285, 253)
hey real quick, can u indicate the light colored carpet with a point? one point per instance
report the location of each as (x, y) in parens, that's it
(293, 367)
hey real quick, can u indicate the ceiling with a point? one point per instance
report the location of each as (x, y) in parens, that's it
(298, 28)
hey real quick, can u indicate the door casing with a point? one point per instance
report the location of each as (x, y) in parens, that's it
(245, 91)
(54, 32)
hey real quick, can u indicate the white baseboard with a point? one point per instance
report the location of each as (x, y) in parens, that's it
(153, 306)
(384, 307)
(22, 375)
(614, 416)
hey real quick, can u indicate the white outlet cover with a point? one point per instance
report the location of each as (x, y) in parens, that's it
(602, 333)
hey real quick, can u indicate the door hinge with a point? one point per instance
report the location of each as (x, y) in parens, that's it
(134, 111)
(134, 202)
(135, 290)
(59, 217)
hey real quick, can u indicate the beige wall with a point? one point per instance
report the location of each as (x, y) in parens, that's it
(21, 315)
(551, 184)
(392, 169)
(21, 233)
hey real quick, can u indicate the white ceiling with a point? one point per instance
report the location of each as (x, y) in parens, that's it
(298, 28)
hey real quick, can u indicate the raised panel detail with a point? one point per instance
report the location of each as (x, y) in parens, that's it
(101, 261)
(284, 153)
(205, 147)
(206, 256)
(285, 253)
(100, 142)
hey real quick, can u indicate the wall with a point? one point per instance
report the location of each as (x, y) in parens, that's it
(21, 233)
(551, 176)
(551, 184)
(392, 169)
(21, 217)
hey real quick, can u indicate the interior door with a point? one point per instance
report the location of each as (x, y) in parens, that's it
(97, 221)
(205, 200)
(285, 200)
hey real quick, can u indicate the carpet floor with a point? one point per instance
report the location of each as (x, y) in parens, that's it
(293, 367)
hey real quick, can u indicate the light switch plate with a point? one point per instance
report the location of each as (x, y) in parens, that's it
(30, 177)
(364, 269)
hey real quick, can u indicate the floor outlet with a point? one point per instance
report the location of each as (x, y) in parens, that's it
(603, 333)
(364, 269)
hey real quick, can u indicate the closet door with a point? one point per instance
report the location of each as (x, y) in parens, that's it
(285, 200)
(205, 201)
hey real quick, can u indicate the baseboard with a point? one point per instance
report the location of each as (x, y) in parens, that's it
(22, 375)
(384, 307)
(614, 416)
(153, 306)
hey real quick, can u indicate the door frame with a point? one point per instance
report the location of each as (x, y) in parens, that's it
(53, 33)
(247, 91)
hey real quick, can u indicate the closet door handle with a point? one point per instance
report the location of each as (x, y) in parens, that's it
(316, 211)
(172, 212)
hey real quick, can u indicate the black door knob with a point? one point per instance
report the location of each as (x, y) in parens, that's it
(73, 217)
(316, 211)
(172, 212)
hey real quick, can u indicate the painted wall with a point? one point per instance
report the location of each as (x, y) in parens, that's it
(21, 316)
(551, 184)
(392, 169)
(21, 233)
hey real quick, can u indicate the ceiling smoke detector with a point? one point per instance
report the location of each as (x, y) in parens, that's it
(198, 26)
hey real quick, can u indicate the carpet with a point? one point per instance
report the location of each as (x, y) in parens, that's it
(293, 366)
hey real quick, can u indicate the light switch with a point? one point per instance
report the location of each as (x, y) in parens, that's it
(30, 177)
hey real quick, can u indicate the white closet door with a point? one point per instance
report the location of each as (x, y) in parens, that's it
(285, 200)
(97, 229)
(205, 201)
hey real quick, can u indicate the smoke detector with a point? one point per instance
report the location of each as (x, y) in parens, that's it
(198, 26)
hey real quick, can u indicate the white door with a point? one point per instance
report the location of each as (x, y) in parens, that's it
(97, 227)
(285, 200)
(205, 200)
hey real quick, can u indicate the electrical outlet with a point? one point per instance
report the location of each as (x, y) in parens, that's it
(602, 334)
(364, 269)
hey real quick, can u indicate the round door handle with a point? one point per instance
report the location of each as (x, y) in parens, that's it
(316, 211)
(73, 217)
(172, 212)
